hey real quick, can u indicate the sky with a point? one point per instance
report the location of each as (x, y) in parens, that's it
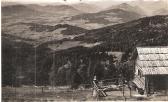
(67, 1)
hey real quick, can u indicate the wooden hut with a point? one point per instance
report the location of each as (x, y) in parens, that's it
(151, 69)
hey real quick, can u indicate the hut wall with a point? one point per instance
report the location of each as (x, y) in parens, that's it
(156, 83)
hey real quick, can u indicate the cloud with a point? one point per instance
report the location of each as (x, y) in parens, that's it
(70, 1)
(67, 1)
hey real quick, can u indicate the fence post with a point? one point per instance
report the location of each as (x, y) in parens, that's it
(123, 89)
(42, 90)
(130, 84)
(130, 92)
(123, 86)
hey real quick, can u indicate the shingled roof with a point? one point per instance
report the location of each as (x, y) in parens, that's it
(152, 60)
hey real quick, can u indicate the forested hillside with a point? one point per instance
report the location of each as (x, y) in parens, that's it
(19, 55)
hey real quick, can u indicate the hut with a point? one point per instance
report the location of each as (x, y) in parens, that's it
(151, 69)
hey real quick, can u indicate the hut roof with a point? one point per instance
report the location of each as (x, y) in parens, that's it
(117, 55)
(152, 60)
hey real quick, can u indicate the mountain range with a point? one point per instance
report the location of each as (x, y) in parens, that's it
(88, 16)
(18, 10)
(87, 8)
(110, 16)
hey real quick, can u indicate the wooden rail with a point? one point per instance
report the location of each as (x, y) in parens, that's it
(99, 91)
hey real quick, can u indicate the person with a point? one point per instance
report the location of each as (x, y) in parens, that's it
(94, 88)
